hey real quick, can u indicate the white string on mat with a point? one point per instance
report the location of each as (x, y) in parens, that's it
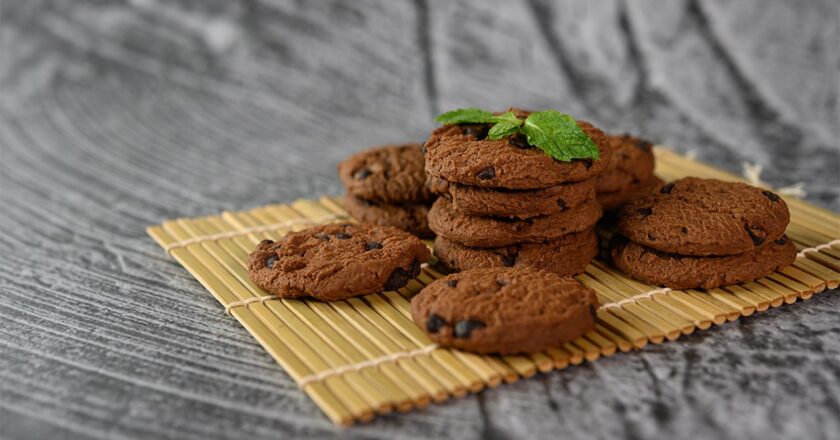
(818, 247)
(393, 357)
(253, 229)
(245, 302)
(634, 298)
(752, 172)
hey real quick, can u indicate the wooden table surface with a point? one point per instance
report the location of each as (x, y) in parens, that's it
(118, 115)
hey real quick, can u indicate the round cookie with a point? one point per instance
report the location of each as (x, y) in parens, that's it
(410, 217)
(611, 201)
(631, 163)
(337, 261)
(703, 217)
(390, 173)
(686, 272)
(463, 154)
(565, 256)
(490, 232)
(500, 202)
(504, 310)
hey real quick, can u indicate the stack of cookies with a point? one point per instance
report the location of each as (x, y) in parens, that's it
(702, 233)
(629, 172)
(505, 203)
(386, 186)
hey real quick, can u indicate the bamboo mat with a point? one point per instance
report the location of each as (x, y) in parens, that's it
(364, 356)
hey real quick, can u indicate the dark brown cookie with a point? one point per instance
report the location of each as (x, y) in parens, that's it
(391, 173)
(463, 154)
(500, 202)
(703, 217)
(566, 256)
(686, 272)
(631, 163)
(611, 201)
(333, 262)
(410, 217)
(490, 232)
(504, 310)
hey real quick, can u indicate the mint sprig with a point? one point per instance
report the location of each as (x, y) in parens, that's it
(556, 134)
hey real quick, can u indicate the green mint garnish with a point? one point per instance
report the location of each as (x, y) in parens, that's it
(556, 134)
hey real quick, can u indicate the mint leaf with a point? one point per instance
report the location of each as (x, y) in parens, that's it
(503, 130)
(558, 135)
(470, 115)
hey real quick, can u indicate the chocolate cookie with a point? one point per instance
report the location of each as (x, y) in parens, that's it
(566, 256)
(490, 232)
(685, 272)
(703, 217)
(410, 217)
(463, 154)
(501, 202)
(611, 201)
(391, 173)
(631, 163)
(333, 262)
(504, 310)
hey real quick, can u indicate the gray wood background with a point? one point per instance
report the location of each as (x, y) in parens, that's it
(119, 114)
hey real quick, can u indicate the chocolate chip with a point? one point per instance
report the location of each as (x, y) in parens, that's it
(757, 234)
(667, 188)
(266, 242)
(773, 197)
(362, 174)
(464, 328)
(477, 131)
(400, 276)
(322, 236)
(435, 323)
(561, 203)
(519, 142)
(781, 241)
(644, 212)
(651, 237)
(452, 282)
(588, 163)
(343, 235)
(508, 260)
(271, 260)
(367, 202)
(487, 173)
(684, 230)
(371, 245)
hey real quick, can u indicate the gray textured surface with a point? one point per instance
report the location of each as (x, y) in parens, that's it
(117, 115)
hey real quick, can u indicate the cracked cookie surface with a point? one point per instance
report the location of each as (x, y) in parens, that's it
(504, 310)
(704, 217)
(337, 261)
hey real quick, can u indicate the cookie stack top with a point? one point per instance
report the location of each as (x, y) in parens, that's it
(506, 202)
(702, 233)
(386, 186)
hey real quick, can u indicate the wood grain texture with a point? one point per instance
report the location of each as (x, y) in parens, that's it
(118, 115)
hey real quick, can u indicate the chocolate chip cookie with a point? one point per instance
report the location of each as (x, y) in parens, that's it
(613, 200)
(410, 217)
(685, 272)
(490, 232)
(504, 310)
(704, 217)
(333, 262)
(565, 256)
(501, 202)
(631, 163)
(463, 154)
(391, 173)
